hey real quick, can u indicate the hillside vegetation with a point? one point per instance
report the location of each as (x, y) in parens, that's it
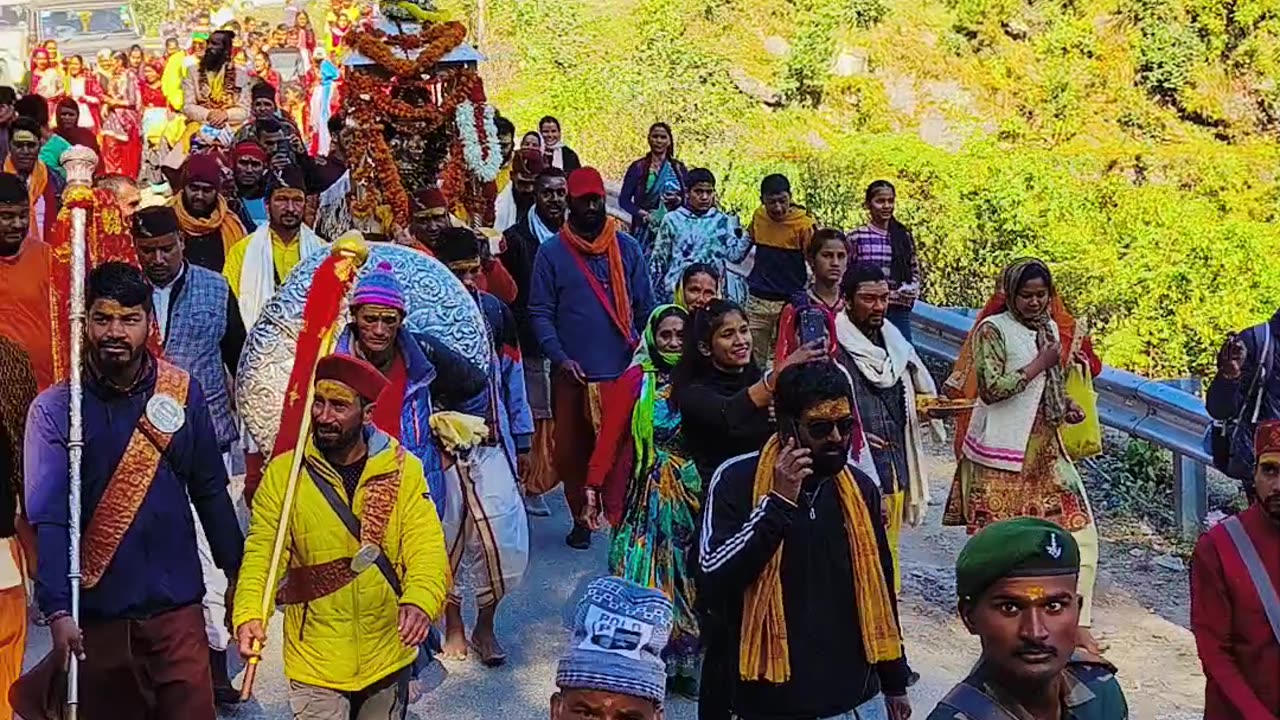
(1132, 143)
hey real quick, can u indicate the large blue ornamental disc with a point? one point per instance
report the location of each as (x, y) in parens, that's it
(436, 301)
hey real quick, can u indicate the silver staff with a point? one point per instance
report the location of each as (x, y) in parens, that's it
(79, 162)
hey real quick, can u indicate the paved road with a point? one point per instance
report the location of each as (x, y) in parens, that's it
(532, 624)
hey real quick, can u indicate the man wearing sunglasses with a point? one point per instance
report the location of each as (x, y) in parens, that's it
(797, 570)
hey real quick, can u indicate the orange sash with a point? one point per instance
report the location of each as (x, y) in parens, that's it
(131, 481)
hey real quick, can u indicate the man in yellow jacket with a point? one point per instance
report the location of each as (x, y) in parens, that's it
(364, 563)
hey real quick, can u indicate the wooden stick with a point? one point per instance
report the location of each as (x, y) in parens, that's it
(282, 533)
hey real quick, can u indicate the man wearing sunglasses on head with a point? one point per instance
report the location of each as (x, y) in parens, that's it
(797, 569)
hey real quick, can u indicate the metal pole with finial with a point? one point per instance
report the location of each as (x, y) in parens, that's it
(79, 162)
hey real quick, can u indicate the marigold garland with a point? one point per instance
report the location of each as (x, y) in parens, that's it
(434, 41)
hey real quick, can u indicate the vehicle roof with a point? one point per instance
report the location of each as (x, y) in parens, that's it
(74, 4)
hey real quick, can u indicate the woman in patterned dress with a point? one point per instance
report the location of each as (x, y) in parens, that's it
(122, 120)
(1011, 460)
(653, 507)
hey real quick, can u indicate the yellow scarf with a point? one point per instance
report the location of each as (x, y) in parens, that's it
(792, 233)
(36, 185)
(764, 653)
(221, 219)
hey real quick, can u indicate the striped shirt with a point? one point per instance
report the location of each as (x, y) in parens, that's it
(871, 244)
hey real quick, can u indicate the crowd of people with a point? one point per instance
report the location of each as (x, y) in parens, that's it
(740, 406)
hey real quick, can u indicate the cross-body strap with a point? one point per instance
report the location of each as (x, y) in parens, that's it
(1262, 582)
(1257, 387)
(352, 524)
(975, 704)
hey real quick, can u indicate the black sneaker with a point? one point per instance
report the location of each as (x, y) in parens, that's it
(579, 537)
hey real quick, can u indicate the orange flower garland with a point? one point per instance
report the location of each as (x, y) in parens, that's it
(435, 41)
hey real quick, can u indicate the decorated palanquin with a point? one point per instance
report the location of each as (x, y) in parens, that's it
(107, 239)
(416, 116)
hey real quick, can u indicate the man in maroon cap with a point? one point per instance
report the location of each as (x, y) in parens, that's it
(430, 218)
(589, 295)
(1235, 611)
(208, 224)
(365, 567)
(249, 165)
(517, 198)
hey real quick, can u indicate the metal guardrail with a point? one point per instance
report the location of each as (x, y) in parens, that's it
(1168, 416)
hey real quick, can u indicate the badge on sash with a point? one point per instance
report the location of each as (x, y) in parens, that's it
(165, 413)
(365, 558)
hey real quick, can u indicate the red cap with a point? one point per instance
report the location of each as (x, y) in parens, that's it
(430, 198)
(585, 181)
(354, 373)
(527, 162)
(249, 148)
(1266, 438)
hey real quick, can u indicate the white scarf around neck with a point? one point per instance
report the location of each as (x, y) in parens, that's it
(539, 228)
(258, 274)
(883, 367)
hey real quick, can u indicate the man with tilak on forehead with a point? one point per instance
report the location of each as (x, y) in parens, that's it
(365, 558)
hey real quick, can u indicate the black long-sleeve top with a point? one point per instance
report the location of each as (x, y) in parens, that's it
(521, 250)
(1226, 399)
(830, 674)
(719, 420)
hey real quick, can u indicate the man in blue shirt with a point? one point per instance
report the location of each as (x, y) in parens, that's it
(149, 444)
(590, 295)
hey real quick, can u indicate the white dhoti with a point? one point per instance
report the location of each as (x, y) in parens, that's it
(485, 527)
(215, 582)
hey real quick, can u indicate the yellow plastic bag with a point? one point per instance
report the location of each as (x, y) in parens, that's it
(1084, 439)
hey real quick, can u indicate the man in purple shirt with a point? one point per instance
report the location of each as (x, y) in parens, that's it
(590, 292)
(149, 444)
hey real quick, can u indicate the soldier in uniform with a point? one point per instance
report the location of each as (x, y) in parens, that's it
(1017, 585)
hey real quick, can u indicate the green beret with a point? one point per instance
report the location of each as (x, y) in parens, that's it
(1022, 547)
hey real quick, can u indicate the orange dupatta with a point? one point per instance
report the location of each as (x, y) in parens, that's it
(606, 243)
(36, 184)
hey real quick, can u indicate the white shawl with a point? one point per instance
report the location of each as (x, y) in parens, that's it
(258, 274)
(505, 213)
(883, 367)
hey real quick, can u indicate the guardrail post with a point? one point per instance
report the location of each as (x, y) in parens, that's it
(1190, 487)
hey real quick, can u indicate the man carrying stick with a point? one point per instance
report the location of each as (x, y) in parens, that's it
(149, 446)
(364, 553)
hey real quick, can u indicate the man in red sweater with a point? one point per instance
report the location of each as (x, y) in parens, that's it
(1235, 598)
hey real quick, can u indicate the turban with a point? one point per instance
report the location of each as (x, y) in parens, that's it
(202, 169)
(379, 287)
(430, 199)
(153, 222)
(1022, 547)
(249, 148)
(585, 181)
(527, 163)
(1266, 439)
(353, 372)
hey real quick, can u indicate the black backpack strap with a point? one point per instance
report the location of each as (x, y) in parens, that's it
(975, 704)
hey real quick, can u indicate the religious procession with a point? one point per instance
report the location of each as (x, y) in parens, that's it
(324, 354)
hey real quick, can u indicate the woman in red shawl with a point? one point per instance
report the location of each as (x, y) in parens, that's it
(155, 118)
(304, 35)
(122, 122)
(263, 71)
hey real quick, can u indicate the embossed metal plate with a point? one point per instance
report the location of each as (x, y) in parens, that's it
(437, 304)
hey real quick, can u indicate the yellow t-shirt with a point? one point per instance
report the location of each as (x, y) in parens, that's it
(283, 255)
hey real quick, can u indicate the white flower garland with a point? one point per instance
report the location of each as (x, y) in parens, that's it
(484, 166)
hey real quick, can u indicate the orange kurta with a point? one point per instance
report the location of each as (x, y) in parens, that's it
(24, 306)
